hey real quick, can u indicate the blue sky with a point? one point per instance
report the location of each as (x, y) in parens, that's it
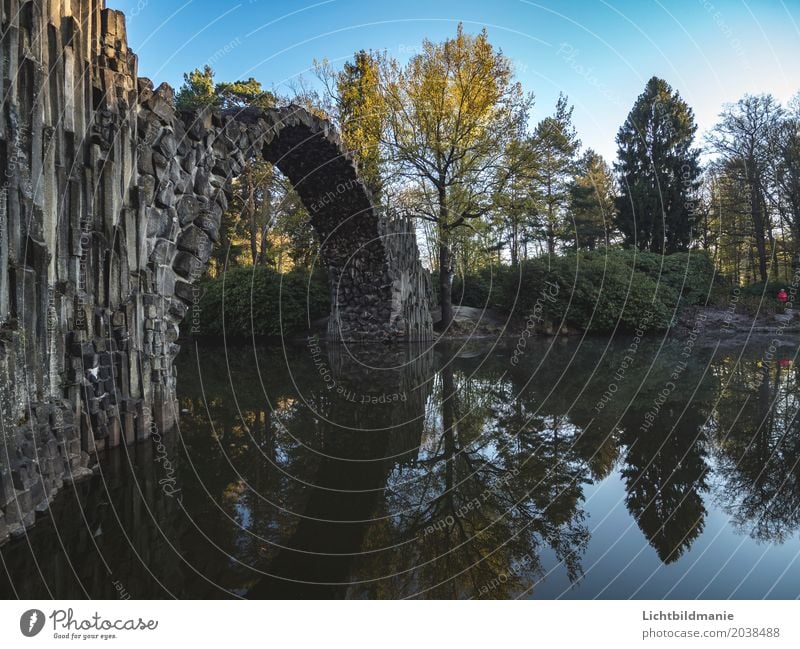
(600, 53)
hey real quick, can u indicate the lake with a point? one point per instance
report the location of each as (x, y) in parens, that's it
(573, 468)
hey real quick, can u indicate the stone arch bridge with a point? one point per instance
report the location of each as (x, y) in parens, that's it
(110, 203)
(379, 291)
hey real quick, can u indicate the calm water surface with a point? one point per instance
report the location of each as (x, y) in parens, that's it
(586, 470)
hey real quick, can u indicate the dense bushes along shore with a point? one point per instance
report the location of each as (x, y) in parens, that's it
(597, 290)
(259, 301)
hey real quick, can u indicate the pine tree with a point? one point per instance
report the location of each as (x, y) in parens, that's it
(515, 205)
(556, 145)
(244, 94)
(658, 171)
(355, 100)
(197, 90)
(592, 201)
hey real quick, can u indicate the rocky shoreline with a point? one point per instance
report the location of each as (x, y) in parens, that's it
(707, 323)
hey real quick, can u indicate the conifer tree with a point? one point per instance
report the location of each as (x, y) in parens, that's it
(658, 171)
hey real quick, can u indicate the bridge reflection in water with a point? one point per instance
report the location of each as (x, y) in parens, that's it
(390, 472)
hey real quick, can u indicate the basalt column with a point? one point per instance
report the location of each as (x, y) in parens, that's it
(71, 297)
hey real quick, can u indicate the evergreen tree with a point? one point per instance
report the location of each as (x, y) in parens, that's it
(355, 99)
(197, 90)
(555, 144)
(515, 205)
(592, 201)
(658, 171)
(244, 94)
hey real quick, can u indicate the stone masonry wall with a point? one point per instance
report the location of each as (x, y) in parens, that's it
(110, 203)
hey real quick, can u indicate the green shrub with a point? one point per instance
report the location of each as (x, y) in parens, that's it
(601, 289)
(752, 299)
(689, 274)
(260, 301)
(595, 290)
(769, 293)
(756, 299)
(478, 289)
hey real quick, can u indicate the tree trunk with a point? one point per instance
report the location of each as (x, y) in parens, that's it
(551, 232)
(514, 244)
(759, 227)
(773, 248)
(267, 214)
(445, 263)
(251, 214)
(551, 218)
(445, 284)
(761, 250)
(264, 245)
(448, 425)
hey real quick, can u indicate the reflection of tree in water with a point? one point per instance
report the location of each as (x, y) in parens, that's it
(758, 448)
(486, 494)
(665, 473)
(665, 468)
(248, 450)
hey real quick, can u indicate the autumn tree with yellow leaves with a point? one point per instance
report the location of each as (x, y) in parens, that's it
(450, 113)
